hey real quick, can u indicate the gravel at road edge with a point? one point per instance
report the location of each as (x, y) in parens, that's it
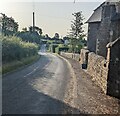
(83, 94)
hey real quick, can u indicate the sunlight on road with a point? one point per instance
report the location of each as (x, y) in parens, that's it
(42, 50)
(42, 53)
(50, 77)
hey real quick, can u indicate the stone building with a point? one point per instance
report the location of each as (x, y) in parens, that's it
(103, 27)
(104, 40)
(93, 28)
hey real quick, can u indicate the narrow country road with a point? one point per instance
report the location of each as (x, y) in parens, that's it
(38, 88)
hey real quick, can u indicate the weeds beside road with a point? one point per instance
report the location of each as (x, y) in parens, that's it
(6, 68)
(16, 53)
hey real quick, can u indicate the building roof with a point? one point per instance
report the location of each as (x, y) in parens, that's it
(96, 16)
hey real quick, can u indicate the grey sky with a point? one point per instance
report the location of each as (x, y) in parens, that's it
(52, 17)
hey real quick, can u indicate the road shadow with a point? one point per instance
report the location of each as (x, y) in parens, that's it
(23, 98)
(34, 102)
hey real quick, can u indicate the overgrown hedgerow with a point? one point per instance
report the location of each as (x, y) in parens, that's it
(13, 48)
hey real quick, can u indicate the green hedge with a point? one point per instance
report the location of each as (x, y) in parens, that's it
(52, 47)
(14, 48)
(62, 48)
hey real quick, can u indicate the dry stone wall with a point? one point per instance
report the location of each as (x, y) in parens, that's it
(104, 72)
(98, 69)
(71, 55)
(97, 66)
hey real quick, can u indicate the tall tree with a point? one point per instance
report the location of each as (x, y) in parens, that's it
(24, 29)
(9, 26)
(56, 36)
(76, 30)
(47, 37)
(39, 30)
(36, 29)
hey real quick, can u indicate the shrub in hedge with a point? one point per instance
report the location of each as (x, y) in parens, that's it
(59, 49)
(14, 48)
(52, 47)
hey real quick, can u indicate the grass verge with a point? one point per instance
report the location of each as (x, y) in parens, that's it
(18, 64)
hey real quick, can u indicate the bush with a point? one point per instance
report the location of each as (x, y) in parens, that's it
(75, 49)
(52, 47)
(61, 48)
(29, 37)
(14, 48)
(18, 64)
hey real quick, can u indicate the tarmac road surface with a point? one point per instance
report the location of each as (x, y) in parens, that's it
(38, 88)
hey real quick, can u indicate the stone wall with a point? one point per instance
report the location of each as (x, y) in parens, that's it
(104, 72)
(71, 55)
(98, 69)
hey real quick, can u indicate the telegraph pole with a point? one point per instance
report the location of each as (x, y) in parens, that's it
(33, 16)
(33, 21)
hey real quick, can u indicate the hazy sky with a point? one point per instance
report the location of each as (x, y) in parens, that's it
(52, 17)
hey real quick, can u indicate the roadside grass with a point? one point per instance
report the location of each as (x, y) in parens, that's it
(12, 66)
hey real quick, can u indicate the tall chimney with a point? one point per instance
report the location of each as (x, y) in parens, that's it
(33, 21)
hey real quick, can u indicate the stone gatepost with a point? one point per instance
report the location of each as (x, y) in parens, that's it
(113, 58)
(84, 58)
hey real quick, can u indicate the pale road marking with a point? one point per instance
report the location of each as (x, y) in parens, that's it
(31, 72)
(38, 67)
(26, 76)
